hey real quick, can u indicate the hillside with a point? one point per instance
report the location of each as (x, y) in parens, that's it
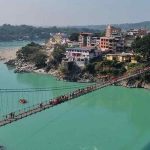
(125, 26)
(24, 32)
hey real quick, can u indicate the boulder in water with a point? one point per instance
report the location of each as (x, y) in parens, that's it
(2, 148)
(10, 62)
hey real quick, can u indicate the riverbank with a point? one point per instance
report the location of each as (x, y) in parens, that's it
(137, 82)
(134, 84)
(9, 57)
(8, 54)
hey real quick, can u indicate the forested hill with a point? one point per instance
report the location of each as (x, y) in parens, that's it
(25, 32)
(125, 26)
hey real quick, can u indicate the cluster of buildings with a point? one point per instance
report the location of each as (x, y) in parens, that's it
(112, 41)
(58, 38)
(112, 45)
(132, 34)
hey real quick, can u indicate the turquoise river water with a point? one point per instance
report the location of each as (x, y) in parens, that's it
(113, 118)
(16, 44)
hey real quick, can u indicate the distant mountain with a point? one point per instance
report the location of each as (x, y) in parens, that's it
(24, 32)
(126, 26)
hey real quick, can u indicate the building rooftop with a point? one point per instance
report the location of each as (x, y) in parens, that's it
(85, 33)
(104, 37)
(80, 49)
(121, 54)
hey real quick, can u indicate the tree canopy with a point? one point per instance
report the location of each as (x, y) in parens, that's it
(74, 37)
(33, 53)
(58, 53)
(142, 46)
(24, 32)
(106, 68)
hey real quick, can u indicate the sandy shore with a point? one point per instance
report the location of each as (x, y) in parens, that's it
(8, 54)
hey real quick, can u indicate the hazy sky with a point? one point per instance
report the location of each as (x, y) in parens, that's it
(73, 12)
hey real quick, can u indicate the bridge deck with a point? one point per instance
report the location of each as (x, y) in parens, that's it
(61, 99)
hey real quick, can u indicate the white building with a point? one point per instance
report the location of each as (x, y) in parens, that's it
(72, 44)
(81, 55)
(95, 41)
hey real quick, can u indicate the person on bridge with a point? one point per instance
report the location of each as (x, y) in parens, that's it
(12, 115)
(41, 105)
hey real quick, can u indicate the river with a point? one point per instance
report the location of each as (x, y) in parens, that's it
(16, 44)
(113, 118)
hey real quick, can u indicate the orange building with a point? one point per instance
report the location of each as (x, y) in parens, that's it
(107, 44)
(112, 41)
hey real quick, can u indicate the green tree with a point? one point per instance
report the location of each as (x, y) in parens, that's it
(58, 53)
(33, 53)
(142, 46)
(110, 67)
(28, 53)
(99, 34)
(91, 68)
(74, 37)
(40, 60)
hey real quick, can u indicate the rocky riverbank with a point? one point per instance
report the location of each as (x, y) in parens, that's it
(86, 78)
(134, 84)
(73, 76)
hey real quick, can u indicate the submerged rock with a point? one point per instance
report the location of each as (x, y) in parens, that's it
(2, 148)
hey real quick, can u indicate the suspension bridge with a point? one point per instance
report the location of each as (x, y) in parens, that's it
(12, 110)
